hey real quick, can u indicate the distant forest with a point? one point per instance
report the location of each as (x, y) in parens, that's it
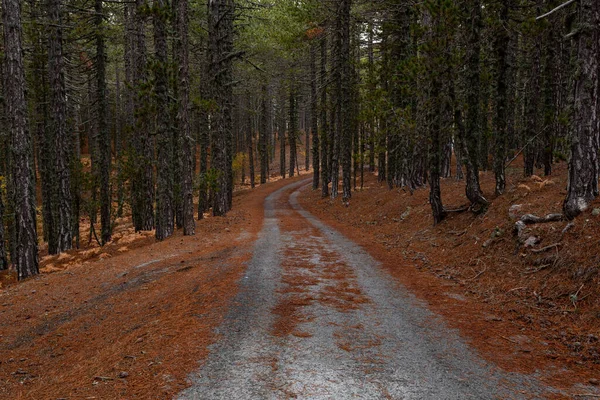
(158, 109)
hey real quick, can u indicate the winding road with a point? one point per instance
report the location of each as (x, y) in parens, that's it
(317, 318)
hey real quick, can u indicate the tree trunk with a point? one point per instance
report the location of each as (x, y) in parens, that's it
(293, 126)
(582, 186)
(473, 83)
(501, 47)
(143, 180)
(3, 258)
(102, 120)
(263, 135)
(183, 118)
(325, 140)
(164, 140)
(345, 129)
(314, 113)
(220, 31)
(61, 138)
(25, 257)
(250, 146)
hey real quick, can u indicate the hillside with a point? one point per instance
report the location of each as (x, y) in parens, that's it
(527, 308)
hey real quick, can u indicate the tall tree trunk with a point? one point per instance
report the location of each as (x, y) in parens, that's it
(143, 180)
(282, 137)
(263, 135)
(3, 258)
(61, 138)
(293, 126)
(220, 32)
(183, 118)
(473, 82)
(325, 145)
(582, 186)
(25, 257)
(314, 111)
(103, 136)
(250, 146)
(345, 128)
(501, 47)
(164, 140)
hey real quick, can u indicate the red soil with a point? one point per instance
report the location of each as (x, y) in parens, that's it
(129, 320)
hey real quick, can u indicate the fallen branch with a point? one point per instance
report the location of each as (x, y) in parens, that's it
(534, 219)
(543, 249)
(510, 340)
(567, 228)
(587, 395)
(524, 147)
(529, 219)
(555, 9)
(478, 275)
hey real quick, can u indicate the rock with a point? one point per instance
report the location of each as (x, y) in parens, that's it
(123, 374)
(532, 241)
(514, 212)
(594, 382)
(596, 212)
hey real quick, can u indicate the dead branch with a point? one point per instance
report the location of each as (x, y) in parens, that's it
(543, 249)
(567, 228)
(555, 9)
(534, 219)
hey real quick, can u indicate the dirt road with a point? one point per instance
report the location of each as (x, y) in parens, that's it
(316, 318)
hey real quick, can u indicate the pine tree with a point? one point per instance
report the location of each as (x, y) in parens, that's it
(582, 186)
(25, 257)
(61, 203)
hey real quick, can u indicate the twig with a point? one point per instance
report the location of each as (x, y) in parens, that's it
(510, 340)
(543, 249)
(524, 147)
(554, 10)
(478, 275)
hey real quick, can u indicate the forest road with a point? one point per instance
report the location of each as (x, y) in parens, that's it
(317, 318)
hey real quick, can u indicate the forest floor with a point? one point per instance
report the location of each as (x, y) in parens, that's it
(134, 318)
(128, 320)
(525, 308)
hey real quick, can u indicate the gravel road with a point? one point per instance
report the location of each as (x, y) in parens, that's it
(317, 318)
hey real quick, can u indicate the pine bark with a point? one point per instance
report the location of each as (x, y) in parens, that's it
(61, 139)
(325, 140)
(183, 118)
(263, 135)
(164, 140)
(582, 186)
(25, 257)
(220, 32)
(473, 82)
(143, 180)
(293, 127)
(3, 257)
(501, 139)
(314, 111)
(104, 147)
(345, 99)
